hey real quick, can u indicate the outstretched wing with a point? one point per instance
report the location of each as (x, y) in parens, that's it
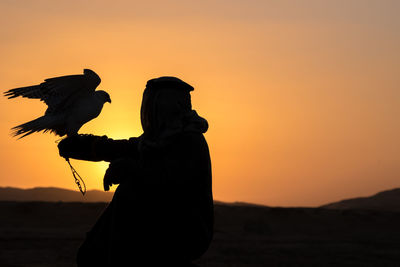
(58, 92)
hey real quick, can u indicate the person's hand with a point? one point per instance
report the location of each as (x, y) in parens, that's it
(80, 146)
(117, 171)
(68, 146)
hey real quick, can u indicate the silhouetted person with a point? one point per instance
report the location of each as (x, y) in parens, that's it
(162, 211)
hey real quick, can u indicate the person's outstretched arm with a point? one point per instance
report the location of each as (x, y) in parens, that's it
(97, 148)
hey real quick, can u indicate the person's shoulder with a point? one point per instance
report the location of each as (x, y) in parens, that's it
(192, 137)
(192, 141)
(188, 147)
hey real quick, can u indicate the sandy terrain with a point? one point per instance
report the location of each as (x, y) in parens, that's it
(48, 234)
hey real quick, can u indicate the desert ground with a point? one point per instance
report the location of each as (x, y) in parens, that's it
(49, 233)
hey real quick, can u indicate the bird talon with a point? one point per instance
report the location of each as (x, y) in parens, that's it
(59, 140)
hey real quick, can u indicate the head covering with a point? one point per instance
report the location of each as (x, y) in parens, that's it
(167, 110)
(168, 82)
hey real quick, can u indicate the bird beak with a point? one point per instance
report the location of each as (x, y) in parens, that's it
(109, 100)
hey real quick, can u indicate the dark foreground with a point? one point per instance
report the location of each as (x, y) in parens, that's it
(48, 234)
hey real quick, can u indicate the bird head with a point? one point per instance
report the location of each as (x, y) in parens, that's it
(103, 95)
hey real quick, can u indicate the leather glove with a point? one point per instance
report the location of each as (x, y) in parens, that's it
(80, 147)
(117, 171)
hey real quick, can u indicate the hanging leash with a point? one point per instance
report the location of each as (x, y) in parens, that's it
(78, 178)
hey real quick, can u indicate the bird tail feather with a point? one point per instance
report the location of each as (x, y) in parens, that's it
(44, 123)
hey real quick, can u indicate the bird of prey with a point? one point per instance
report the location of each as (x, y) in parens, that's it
(72, 101)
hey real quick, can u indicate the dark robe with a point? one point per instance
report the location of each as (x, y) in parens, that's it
(162, 211)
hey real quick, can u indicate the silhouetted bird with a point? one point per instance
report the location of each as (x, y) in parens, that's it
(72, 101)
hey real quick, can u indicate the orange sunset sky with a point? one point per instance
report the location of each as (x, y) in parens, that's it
(302, 97)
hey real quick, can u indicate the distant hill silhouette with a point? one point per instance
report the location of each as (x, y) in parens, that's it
(384, 201)
(52, 194)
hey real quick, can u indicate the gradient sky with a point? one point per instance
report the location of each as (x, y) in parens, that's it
(302, 97)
